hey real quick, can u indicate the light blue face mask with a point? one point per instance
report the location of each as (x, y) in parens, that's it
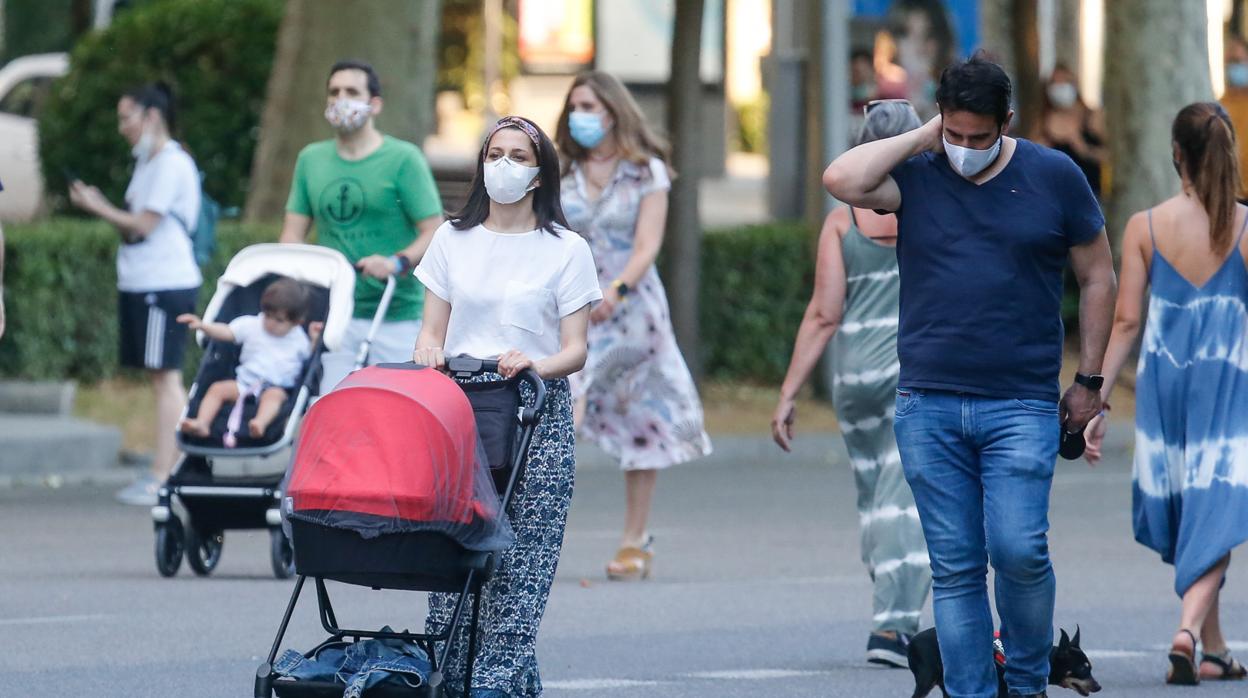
(586, 128)
(1237, 74)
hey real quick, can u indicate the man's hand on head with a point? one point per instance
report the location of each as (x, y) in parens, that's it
(933, 132)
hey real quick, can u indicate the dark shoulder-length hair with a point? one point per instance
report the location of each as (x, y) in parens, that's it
(546, 202)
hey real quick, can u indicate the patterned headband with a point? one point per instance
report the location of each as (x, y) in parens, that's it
(514, 122)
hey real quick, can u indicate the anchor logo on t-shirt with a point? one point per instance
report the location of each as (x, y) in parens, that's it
(342, 201)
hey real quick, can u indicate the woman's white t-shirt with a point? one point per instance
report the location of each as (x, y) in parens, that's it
(166, 184)
(508, 290)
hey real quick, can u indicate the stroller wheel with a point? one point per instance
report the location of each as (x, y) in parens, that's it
(203, 549)
(281, 554)
(169, 546)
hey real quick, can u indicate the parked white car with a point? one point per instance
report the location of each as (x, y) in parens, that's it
(25, 84)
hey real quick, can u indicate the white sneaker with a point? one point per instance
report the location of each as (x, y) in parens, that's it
(141, 492)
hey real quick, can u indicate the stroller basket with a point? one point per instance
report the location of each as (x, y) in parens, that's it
(365, 548)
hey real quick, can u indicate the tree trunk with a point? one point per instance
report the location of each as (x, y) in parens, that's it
(398, 37)
(996, 23)
(1027, 85)
(1066, 46)
(1144, 90)
(684, 229)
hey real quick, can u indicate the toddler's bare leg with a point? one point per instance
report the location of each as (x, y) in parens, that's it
(218, 394)
(271, 401)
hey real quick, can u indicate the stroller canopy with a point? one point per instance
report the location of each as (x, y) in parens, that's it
(311, 264)
(394, 449)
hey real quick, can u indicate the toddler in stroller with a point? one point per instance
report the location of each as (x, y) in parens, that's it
(274, 350)
(205, 494)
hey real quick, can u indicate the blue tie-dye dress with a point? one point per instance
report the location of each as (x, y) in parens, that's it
(1190, 488)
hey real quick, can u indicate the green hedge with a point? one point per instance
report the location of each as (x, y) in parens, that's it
(216, 55)
(60, 282)
(756, 282)
(61, 297)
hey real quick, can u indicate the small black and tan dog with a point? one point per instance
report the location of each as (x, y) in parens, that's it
(1069, 666)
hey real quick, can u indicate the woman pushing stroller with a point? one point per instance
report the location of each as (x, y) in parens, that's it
(505, 278)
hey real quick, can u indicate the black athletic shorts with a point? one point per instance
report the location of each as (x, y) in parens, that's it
(151, 337)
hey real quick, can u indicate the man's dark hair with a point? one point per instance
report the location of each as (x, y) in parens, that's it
(285, 298)
(374, 82)
(975, 85)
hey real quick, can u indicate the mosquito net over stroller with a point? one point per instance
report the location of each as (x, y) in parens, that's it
(394, 449)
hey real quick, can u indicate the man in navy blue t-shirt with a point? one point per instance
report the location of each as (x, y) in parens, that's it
(985, 226)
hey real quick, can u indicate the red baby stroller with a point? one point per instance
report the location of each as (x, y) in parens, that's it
(395, 485)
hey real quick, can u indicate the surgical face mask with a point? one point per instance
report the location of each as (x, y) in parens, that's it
(587, 128)
(969, 162)
(1237, 74)
(507, 182)
(348, 115)
(1063, 95)
(142, 150)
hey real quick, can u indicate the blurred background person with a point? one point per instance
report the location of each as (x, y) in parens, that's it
(1235, 99)
(1068, 124)
(157, 277)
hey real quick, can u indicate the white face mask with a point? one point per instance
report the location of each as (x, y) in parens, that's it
(969, 162)
(143, 149)
(507, 182)
(1063, 95)
(348, 115)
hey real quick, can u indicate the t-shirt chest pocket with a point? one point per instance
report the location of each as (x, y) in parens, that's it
(524, 307)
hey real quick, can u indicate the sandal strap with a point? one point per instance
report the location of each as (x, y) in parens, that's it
(1224, 661)
(632, 558)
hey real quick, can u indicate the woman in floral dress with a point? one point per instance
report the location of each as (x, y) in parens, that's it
(636, 398)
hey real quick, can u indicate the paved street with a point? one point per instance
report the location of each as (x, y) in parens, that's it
(758, 591)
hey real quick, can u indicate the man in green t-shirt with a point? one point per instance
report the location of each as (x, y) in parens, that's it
(373, 198)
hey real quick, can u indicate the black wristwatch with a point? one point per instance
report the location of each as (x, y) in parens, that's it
(1093, 382)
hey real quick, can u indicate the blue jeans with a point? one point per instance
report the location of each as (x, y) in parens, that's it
(981, 470)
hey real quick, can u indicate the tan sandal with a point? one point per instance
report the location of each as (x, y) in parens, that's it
(631, 563)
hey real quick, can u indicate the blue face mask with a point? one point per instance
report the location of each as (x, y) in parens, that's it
(586, 128)
(1237, 74)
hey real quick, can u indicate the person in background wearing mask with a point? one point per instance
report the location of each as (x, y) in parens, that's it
(986, 223)
(861, 79)
(1072, 127)
(372, 198)
(157, 277)
(507, 280)
(636, 398)
(1235, 99)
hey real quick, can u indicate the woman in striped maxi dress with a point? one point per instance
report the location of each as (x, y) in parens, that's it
(1190, 488)
(855, 306)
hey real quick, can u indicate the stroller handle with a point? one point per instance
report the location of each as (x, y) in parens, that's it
(383, 306)
(464, 367)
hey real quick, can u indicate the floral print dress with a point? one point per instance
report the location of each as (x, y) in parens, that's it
(642, 406)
